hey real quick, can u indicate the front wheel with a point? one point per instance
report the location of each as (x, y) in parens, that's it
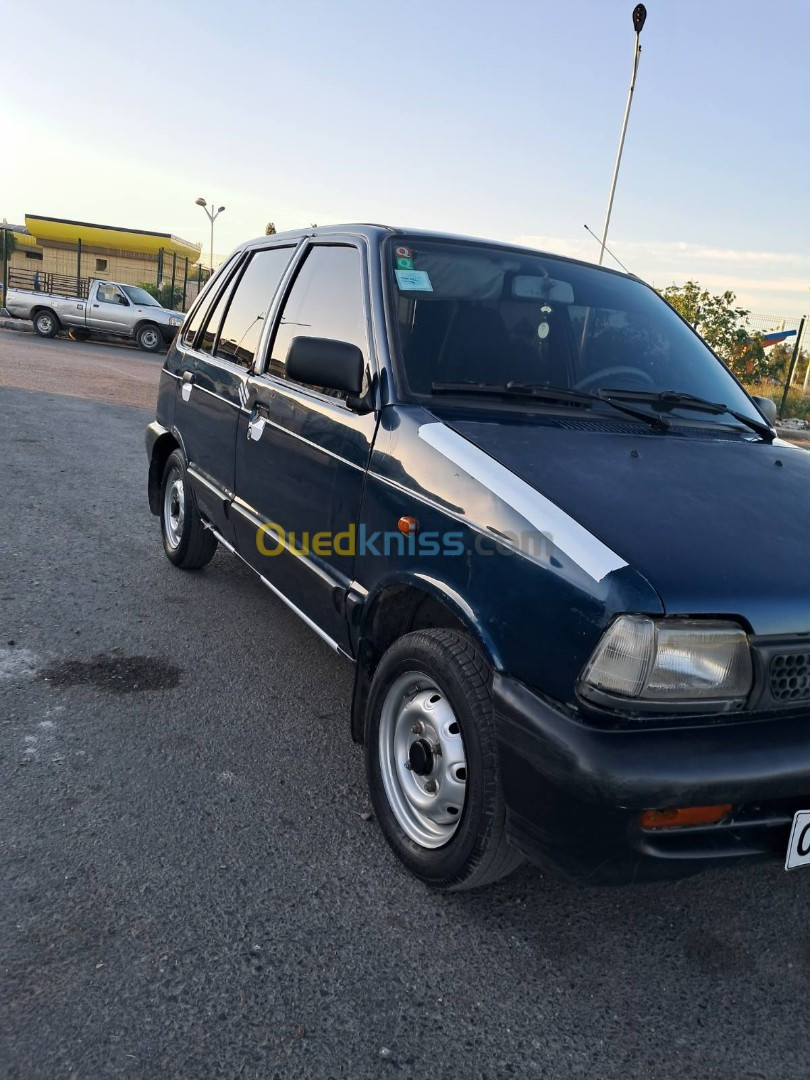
(149, 338)
(46, 324)
(186, 541)
(432, 764)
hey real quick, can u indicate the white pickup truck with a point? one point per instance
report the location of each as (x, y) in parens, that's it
(110, 308)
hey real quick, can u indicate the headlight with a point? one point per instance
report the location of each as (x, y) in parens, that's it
(175, 322)
(671, 660)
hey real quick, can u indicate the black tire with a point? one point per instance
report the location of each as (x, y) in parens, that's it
(46, 323)
(478, 852)
(149, 338)
(186, 541)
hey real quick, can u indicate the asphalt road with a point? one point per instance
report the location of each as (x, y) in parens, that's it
(114, 371)
(190, 883)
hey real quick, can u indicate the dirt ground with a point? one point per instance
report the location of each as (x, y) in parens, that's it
(119, 374)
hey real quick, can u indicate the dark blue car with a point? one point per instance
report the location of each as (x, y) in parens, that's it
(561, 545)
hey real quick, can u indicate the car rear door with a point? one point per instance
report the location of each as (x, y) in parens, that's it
(219, 347)
(301, 452)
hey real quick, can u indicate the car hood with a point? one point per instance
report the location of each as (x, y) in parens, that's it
(160, 314)
(717, 524)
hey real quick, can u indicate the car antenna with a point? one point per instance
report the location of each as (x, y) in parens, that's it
(607, 249)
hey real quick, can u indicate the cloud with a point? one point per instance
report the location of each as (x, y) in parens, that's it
(744, 271)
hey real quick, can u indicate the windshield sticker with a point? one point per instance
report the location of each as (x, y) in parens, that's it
(403, 253)
(413, 280)
(404, 264)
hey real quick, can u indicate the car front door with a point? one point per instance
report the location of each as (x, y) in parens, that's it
(219, 350)
(302, 453)
(110, 310)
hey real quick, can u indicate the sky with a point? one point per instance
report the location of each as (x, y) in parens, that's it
(489, 119)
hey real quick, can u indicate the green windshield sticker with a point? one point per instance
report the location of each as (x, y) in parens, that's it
(405, 264)
(413, 280)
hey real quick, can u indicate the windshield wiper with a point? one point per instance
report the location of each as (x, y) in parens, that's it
(553, 395)
(676, 398)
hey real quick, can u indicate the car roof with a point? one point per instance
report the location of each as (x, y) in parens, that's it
(377, 232)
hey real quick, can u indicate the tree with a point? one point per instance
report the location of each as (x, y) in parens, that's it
(269, 229)
(722, 327)
(8, 241)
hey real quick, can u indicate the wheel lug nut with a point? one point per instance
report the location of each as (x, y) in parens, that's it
(431, 786)
(417, 728)
(408, 765)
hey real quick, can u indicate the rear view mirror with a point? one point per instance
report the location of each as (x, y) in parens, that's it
(531, 287)
(767, 408)
(334, 365)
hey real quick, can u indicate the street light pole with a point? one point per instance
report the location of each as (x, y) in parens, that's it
(212, 215)
(639, 16)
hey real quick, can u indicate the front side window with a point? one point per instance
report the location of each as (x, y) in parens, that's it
(326, 301)
(110, 294)
(247, 311)
(471, 315)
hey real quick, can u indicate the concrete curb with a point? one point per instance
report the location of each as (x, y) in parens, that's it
(23, 326)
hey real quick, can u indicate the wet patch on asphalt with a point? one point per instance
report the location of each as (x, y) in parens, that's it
(115, 674)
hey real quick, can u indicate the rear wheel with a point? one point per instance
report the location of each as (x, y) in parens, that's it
(432, 764)
(149, 338)
(186, 541)
(46, 323)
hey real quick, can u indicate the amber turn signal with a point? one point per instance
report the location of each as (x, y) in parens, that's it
(408, 525)
(684, 815)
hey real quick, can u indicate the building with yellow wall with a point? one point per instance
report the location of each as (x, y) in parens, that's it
(55, 253)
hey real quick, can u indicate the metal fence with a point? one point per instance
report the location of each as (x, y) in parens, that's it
(68, 270)
(776, 360)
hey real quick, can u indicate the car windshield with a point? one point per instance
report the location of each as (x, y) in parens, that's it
(496, 317)
(140, 296)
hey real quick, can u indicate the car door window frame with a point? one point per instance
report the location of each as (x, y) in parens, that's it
(211, 299)
(251, 254)
(285, 289)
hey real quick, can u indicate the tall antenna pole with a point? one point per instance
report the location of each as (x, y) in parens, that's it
(639, 16)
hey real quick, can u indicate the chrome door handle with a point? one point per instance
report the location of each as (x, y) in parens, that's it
(258, 418)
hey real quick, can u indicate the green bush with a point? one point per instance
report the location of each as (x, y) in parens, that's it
(164, 295)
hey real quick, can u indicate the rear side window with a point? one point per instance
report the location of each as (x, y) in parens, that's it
(193, 324)
(209, 334)
(326, 301)
(247, 311)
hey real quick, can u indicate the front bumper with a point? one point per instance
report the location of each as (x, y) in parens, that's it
(574, 793)
(168, 332)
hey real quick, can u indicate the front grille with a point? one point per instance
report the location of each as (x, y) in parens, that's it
(790, 676)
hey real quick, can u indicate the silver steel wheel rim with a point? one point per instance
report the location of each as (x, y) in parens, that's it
(174, 508)
(422, 760)
(45, 323)
(149, 338)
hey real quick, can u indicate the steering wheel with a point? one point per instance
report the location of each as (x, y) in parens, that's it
(609, 372)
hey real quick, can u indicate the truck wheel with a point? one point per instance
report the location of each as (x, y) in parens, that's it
(187, 543)
(432, 764)
(46, 323)
(149, 338)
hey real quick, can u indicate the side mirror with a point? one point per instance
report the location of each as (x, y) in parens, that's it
(767, 408)
(334, 365)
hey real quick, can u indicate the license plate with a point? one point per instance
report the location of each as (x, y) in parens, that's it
(798, 852)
